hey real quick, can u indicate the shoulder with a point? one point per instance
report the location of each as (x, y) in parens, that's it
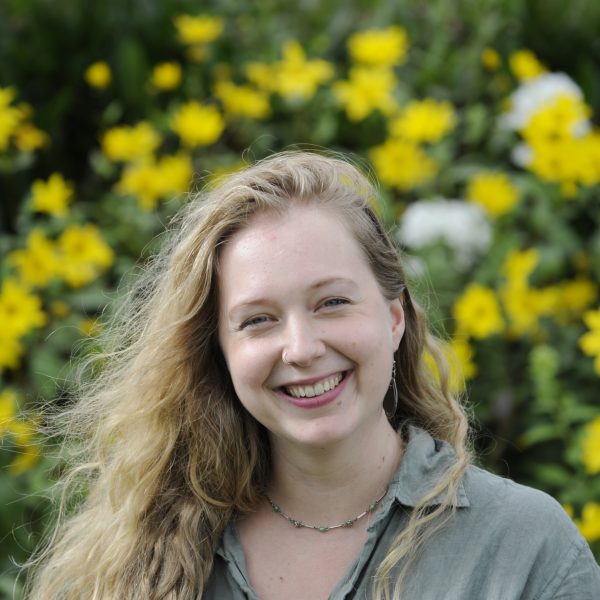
(527, 530)
(486, 490)
(516, 508)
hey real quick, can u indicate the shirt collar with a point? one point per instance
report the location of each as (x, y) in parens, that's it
(423, 464)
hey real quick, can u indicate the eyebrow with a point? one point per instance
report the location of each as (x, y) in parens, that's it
(321, 283)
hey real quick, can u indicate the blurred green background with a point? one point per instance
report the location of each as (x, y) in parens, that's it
(479, 118)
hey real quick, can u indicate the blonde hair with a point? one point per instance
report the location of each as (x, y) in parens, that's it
(167, 456)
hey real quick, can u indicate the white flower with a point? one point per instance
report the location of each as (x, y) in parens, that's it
(461, 225)
(532, 95)
(522, 155)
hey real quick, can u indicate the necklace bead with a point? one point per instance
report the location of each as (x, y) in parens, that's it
(324, 528)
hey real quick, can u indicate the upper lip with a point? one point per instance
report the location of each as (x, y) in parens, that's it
(311, 380)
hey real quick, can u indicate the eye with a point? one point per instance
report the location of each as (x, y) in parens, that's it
(254, 322)
(333, 302)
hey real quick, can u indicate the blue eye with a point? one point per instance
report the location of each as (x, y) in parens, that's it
(254, 321)
(335, 302)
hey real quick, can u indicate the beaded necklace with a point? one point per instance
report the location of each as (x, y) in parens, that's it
(324, 528)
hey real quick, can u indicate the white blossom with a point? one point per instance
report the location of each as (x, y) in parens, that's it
(533, 94)
(522, 154)
(460, 225)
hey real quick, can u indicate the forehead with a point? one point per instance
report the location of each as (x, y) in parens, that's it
(305, 241)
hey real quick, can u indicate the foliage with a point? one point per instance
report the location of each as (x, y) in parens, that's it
(489, 161)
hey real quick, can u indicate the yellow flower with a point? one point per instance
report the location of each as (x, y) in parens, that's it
(379, 47)
(424, 121)
(176, 173)
(575, 296)
(27, 137)
(490, 59)
(38, 262)
(589, 524)
(588, 155)
(166, 75)
(242, 100)
(23, 432)
(560, 118)
(11, 349)
(10, 117)
(591, 447)
(84, 255)
(261, 75)
(125, 143)
(8, 409)
(90, 327)
(519, 264)
(366, 90)
(200, 29)
(524, 306)
(20, 310)
(140, 181)
(556, 162)
(197, 124)
(477, 312)
(525, 65)
(297, 77)
(293, 77)
(52, 196)
(568, 161)
(494, 192)
(402, 164)
(150, 180)
(98, 75)
(459, 355)
(7, 95)
(27, 457)
(590, 342)
(463, 353)
(28, 451)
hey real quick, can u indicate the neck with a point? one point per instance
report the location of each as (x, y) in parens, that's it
(336, 482)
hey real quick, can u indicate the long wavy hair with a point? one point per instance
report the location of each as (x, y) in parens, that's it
(165, 455)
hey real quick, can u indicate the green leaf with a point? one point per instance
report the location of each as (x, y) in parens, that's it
(540, 433)
(553, 475)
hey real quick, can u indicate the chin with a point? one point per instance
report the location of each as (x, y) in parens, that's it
(319, 433)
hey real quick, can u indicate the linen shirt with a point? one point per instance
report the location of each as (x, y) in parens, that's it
(505, 541)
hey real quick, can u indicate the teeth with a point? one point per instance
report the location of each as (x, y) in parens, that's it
(309, 391)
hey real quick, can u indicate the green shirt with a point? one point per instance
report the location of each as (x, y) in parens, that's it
(505, 542)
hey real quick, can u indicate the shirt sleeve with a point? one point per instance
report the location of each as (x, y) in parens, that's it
(578, 578)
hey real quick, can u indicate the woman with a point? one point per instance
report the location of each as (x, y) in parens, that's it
(264, 425)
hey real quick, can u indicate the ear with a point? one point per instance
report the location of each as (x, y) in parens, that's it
(397, 321)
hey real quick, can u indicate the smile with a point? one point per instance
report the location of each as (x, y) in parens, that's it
(316, 389)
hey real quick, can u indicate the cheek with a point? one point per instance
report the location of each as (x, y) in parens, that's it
(249, 365)
(372, 348)
(368, 340)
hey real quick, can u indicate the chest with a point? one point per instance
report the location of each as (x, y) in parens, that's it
(295, 564)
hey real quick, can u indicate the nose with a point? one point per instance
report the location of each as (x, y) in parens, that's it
(302, 343)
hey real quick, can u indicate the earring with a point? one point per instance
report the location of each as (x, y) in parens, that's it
(394, 387)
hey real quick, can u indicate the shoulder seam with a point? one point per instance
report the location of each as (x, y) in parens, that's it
(571, 556)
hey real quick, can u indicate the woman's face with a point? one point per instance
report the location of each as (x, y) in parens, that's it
(306, 332)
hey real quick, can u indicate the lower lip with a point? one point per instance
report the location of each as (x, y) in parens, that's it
(320, 400)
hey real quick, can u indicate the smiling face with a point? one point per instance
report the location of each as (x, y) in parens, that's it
(306, 333)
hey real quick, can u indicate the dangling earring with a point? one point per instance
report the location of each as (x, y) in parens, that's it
(394, 387)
